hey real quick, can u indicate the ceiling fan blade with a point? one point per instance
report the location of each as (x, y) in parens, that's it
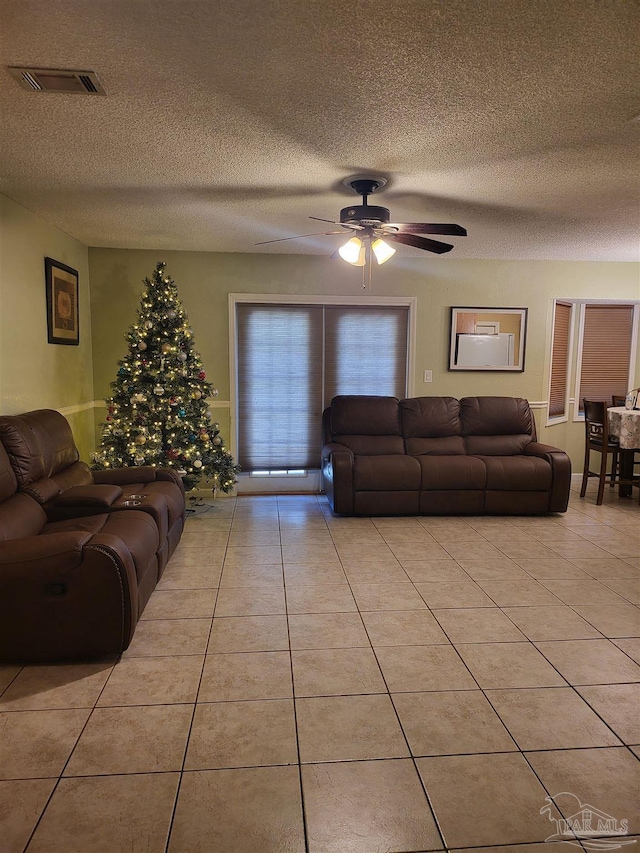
(299, 236)
(429, 228)
(420, 242)
(350, 226)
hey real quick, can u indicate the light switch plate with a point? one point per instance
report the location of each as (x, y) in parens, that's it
(428, 376)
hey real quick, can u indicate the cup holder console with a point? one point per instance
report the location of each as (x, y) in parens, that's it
(130, 503)
(136, 497)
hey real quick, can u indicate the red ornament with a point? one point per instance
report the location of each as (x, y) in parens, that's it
(109, 418)
(202, 375)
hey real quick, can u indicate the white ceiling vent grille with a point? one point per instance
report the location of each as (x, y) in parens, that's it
(58, 80)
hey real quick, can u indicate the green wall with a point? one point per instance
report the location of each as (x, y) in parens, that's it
(205, 279)
(36, 374)
(33, 373)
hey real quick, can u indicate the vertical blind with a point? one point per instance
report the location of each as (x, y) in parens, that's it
(293, 359)
(606, 352)
(560, 360)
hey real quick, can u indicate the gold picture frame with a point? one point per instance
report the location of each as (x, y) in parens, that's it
(62, 303)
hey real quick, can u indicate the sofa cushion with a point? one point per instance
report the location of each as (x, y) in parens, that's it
(21, 516)
(39, 444)
(364, 416)
(430, 417)
(8, 482)
(386, 473)
(372, 445)
(452, 445)
(518, 473)
(452, 473)
(496, 445)
(496, 416)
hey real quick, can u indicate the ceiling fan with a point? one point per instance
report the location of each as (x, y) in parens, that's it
(372, 229)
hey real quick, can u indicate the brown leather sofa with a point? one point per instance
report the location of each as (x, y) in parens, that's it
(80, 554)
(439, 456)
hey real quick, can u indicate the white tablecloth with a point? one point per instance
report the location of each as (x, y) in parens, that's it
(625, 424)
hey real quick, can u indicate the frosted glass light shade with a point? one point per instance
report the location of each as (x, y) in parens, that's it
(383, 251)
(353, 252)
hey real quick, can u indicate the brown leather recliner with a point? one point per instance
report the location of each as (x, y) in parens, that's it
(439, 456)
(79, 558)
(74, 589)
(47, 466)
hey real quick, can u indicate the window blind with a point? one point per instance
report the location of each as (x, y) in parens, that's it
(606, 352)
(293, 359)
(279, 386)
(560, 360)
(365, 351)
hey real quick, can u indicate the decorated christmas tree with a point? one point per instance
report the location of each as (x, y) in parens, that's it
(158, 413)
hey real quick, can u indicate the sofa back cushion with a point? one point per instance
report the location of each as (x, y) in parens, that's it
(8, 482)
(39, 444)
(367, 425)
(20, 515)
(496, 426)
(431, 426)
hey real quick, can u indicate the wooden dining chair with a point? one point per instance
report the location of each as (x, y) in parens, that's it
(618, 401)
(597, 439)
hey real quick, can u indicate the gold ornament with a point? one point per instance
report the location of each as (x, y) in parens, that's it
(166, 348)
(141, 439)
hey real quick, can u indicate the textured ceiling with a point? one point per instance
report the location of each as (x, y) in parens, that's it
(227, 123)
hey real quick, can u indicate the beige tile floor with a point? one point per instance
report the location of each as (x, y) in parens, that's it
(301, 683)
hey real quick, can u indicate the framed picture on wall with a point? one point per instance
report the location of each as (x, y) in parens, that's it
(62, 303)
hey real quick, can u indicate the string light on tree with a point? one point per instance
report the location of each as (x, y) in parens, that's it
(158, 412)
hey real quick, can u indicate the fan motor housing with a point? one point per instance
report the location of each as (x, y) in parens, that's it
(365, 214)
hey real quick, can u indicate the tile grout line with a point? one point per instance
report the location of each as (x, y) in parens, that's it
(305, 827)
(195, 705)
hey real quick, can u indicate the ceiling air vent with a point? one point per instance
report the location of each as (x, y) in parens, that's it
(58, 80)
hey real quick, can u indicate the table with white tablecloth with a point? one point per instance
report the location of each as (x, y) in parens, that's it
(624, 424)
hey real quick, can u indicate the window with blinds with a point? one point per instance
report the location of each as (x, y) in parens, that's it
(559, 385)
(293, 359)
(605, 355)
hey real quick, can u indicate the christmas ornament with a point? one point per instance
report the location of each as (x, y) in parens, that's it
(171, 314)
(123, 371)
(173, 401)
(197, 463)
(140, 439)
(202, 375)
(166, 348)
(182, 356)
(148, 324)
(181, 472)
(118, 432)
(192, 436)
(214, 392)
(184, 373)
(142, 345)
(197, 395)
(159, 390)
(139, 460)
(217, 440)
(204, 436)
(182, 413)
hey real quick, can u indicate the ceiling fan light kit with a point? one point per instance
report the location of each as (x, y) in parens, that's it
(371, 228)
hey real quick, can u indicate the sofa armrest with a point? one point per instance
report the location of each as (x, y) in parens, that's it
(170, 475)
(126, 476)
(52, 552)
(66, 596)
(137, 474)
(337, 474)
(561, 473)
(97, 496)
